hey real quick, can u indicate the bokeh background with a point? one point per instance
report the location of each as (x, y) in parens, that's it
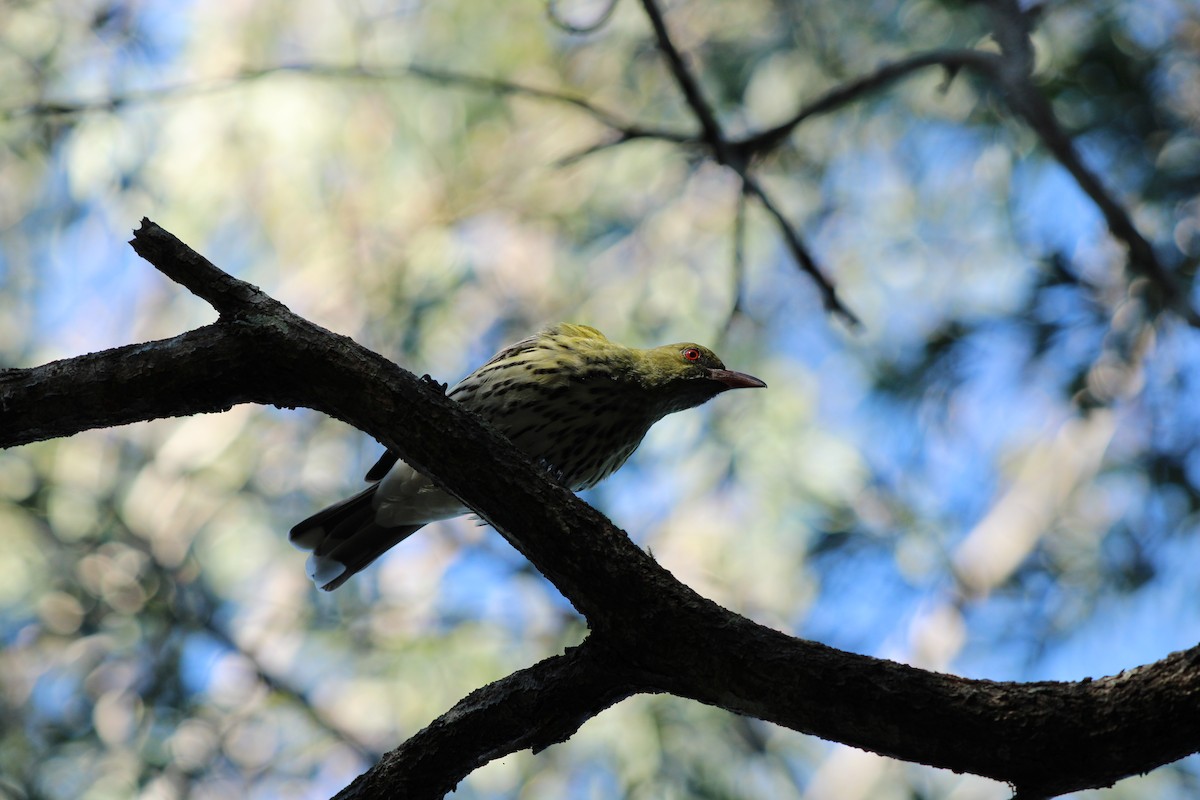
(997, 476)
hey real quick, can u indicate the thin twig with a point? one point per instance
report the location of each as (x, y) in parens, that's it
(625, 136)
(846, 93)
(738, 277)
(430, 74)
(800, 252)
(1009, 71)
(688, 84)
(1013, 73)
(714, 137)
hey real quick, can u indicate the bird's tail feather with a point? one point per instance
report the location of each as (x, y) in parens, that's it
(344, 538)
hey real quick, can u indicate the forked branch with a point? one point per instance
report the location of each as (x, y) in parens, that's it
(648, 632)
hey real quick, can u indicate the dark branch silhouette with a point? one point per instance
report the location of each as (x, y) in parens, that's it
(722, 152)
(647, 631)
(1010, 72)
(762, 142)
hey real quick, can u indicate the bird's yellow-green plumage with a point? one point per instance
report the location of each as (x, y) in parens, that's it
(568, 396)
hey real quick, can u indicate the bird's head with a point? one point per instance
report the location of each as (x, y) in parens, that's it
(688, 374)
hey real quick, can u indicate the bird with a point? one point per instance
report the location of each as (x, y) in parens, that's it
(569, 397)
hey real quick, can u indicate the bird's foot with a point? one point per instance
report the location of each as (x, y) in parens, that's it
(435, 383)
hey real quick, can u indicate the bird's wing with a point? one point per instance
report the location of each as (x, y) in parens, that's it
(574, 331)
(562, 329)
(465, 389)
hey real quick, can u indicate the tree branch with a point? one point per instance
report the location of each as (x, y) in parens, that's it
(712, 133)
(1012, 73)
(951, 60)
(531, 708)
(649, 633)
(714, 137)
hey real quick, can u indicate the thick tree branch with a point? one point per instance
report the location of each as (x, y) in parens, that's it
(531, 708)
(649, 633)
(193, 373)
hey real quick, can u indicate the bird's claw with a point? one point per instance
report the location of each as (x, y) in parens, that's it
(435, 383)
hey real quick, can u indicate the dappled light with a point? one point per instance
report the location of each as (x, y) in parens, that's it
(978, 453)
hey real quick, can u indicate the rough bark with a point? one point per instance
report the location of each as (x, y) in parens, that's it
(648, 632)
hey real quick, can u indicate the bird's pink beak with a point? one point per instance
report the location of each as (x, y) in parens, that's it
(736, 380)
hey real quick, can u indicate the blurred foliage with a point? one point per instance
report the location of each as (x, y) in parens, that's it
(999, 476)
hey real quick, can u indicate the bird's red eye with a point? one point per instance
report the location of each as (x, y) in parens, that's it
(691, 354)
